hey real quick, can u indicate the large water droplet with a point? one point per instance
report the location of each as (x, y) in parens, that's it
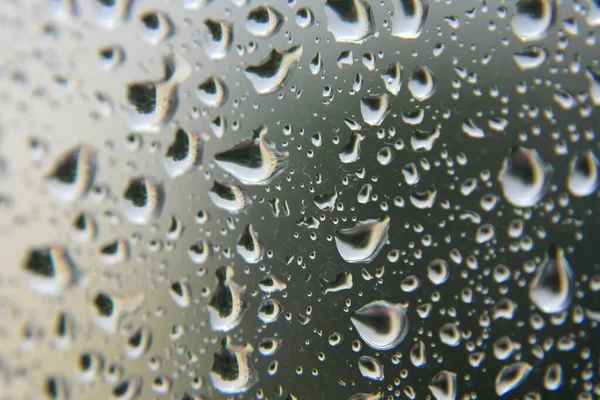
(583, 176)
(49, 270)
(524, 177)
(212, 92)
(380, 324)
(511, 376)
(183, 154)
(408, 18)
(109, 308)
(551, 290)
(593, 77)
(249, 247)
(272, 72)
(392, 78)
(263, 21)
(181, 293)
(418, 355)
(228, 197)
(370, 368)
(143, 199)
(530, 57)
(269, 311)
(533, 19)
(362, 242)
(443, 386)
(254, 161)
(374, 108)
(351, 151)
(228, 304)
(155, 26)
(421, 83)
(232, 370)
(72, 175)
(217, 38)
(350, 21)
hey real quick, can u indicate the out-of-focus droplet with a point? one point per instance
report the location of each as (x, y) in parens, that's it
(263, 21)
(443, 385)
(304, 17)
(531, 57)
(111, 57)
(228, 197)
(72, 175)
(272, 72)
(108, 309)
(254, 161)
(155, 26)
(271, 284)
(181, 293)
(551, 290)
(143, 199)
(114, 253)
(524, 177)
(408, 18)
(350, 21)
(138, 343)
(212, 92)
(533, 19)
(380, 324)
(583, 176)
(111, 13)
(217, 38)
(233, 370)
(421, 83)
(418, 355)
(269, 346)
(183, 154)
(362, 242)
(511, 376)
(438, 271)
(49, 270)
(228, 303)
(553, 377)
(593, 77)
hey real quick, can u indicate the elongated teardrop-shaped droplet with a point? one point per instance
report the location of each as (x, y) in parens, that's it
(72, 175)
(533, 19)
(370, 368)
(143, 199)
(551, 289)
(408, 18)
(183, 154)
(524, 177)
(138, 343)
(392, 78)
(553, 377)
(350, 21)
(511, 376)
(253, 161)
(362, 242)
(233, 371)
(530, 57)
(217, 38)
(593, 77)
(583, 177)
(249, 247)
(49, 270)
(272, 72)
(228, 197)
(380, 324)
(351, 151)
(263, 21)
(418, 355)
(421, 83)
(443, 386)
(212, 92)
(374, 108)
(228, 304)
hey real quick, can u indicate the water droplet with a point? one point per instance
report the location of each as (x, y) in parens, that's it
(110, 13)
(49, 270)
(212, 92)
(551, 290)
(511, 376)
(316, 64)
(408, 18)
(233, 371)
(374, 108)
(111, 57)
(421, 83)
(593, 78)
(450, 334)
(342, 281)
(304, 17)
(367, 396)
(530, 57)
(472, 130)
(89, 367)
(380, 324)
(217, 38)
(362, 242)
(424, 140)
(249, 247)
(271, 284)
(272, 72)
(263, 21)
(109, 308)
(228, 304)
(114, 253)
(138, 343)
(228, 197)
(438, 271)
(443, 386)
(553, 377)
(269, 346)
(155, 26)
(582, 179)
(161, 385)
(350, 21)
(524, 177)
(392, 78)
(351, 151)
(533, 19)
(269, 311)
(181, 293)
(254, 161)
(72, 175)
(418, 355)
(423, 199)
(128, 389)
(370, 368)
(183, 154)
(143, 199)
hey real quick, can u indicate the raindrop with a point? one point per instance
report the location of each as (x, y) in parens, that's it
(551, 289)
(437, 271)
(111, 57)
(380, 324)
(392, 78)
(421, 83)
(89, 367)
(111, 13)
(83, 228)
(362, 242)
(342, 281)
(269, 346)
(304, 17)
(114, 253)
(217, 38)
(49, 270)
(351, 151)
(155, 26)
(533, 19)
(264, 21)
(511, 376)
(553, 377)
(424, 140)
(181, 293)
(127, 389)
(350, 21)
(269, 311)
(232, 370)
(108, 309)
(183, 154)
(370, 368)
(143, 199)
(582, 178)
(72, 175)
(271, 284)
(408, 18)
(418, 355)
(212, 92)
(374, 108)
(443, 386)
(249, 247)
(228, 197)
(138, 343)
(228, 304)
(524, 177)
(531, 57)
(272, 72)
